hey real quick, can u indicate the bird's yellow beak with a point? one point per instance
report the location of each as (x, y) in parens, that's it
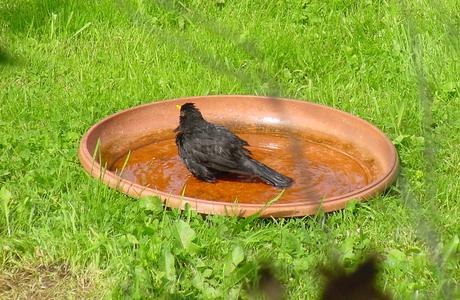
(178, 106)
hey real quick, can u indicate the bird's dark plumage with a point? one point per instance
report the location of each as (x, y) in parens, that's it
(208, 150)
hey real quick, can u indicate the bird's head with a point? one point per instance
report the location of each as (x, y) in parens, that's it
(189, 116)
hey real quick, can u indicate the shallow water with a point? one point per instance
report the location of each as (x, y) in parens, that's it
(320, 171)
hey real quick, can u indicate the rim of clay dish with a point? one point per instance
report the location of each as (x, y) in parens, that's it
(292, 209)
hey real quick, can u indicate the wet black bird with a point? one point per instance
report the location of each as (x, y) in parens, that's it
(209, 150)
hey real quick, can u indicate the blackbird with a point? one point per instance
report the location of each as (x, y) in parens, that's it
(209, 150)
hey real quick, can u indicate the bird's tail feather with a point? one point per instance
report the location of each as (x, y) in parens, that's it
(269, 175)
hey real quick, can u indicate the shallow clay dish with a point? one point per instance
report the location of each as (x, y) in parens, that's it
(333, 157)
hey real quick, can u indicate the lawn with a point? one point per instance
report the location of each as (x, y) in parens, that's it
(64, 65)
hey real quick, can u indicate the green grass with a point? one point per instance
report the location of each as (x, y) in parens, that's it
(64, 65)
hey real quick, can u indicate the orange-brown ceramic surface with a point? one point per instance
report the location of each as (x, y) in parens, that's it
(332, 156)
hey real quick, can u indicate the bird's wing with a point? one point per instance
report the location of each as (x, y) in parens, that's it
(216, 148)
(233, 138)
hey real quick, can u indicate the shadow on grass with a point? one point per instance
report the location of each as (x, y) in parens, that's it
(6, 58)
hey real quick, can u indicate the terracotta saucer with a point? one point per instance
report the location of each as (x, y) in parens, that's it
(333, 156)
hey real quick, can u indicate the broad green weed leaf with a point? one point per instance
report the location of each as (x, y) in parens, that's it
(228, 266)
(152, 204)
(347, 249)
(233, 260)
(132, 239)
(185, 234)
(237, 255)
(167, 264)
(5, 198)
(451, 248)
(396, 258)
(197, 281)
